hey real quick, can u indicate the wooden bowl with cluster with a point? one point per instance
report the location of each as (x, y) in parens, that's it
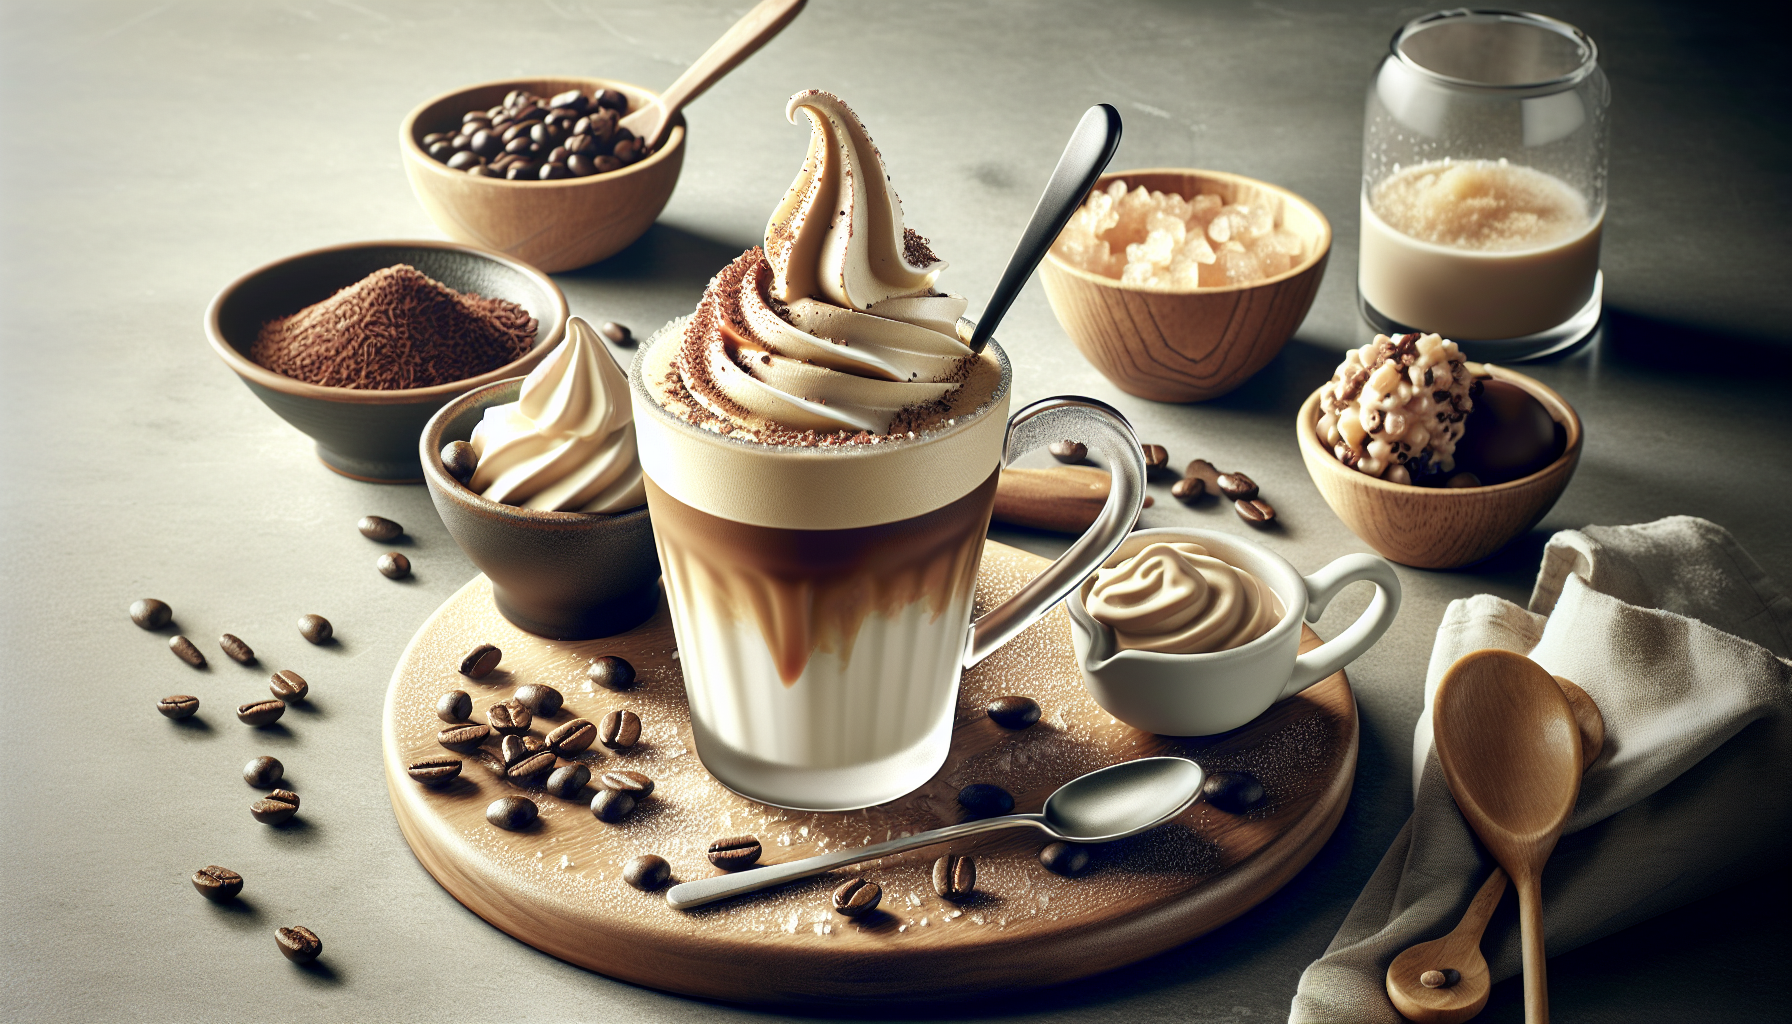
(1191, 345)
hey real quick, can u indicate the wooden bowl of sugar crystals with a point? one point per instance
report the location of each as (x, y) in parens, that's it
(1216, 304)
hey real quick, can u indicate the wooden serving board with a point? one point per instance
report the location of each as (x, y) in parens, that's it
(558, 886)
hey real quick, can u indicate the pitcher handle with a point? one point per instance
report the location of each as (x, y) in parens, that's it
(1107, 434)
(1361, 635)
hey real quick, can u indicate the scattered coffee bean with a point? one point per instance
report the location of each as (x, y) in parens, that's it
(1069, 451)
(1463, 479)
(611, 673)
(299, 944)
(1237, 486)
(513, 749)
(463, 738)
(1068, 859)
(633, 783)
(434, 771)
(982, 800)
(1188, 489)
(220, 885)
(512, 813)
(857, 897)
(613, 332)
(573, 737)
(276, 808)
(509, 717)
(261, 712)
(954, 876)
(568, 781)
(620, 730)
(185, 651)
(178, 706)
(1206, 472)
(612, 805)
(1156, 456)
(1255, 511)
(647, 872)
(480, 661)
(532, 767)
(454, 706)
(316, 628)
(151, 613)
(393, 565)
(1446, 978)
(1232, 792)
(238, 651)
(288, 685)
(264, 772)
(460, 460)
(540, 699)
(376, 528)
(1013, 712)
(734, 852)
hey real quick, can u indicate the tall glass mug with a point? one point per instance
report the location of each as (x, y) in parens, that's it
(821, 596)
(1484, 166)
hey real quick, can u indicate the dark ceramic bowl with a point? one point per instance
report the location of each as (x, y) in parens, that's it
(562, 575)
(371, 435)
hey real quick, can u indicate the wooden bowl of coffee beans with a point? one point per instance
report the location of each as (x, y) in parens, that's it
(537, 168)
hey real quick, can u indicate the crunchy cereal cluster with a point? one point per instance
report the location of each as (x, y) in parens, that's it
(1395, 407)
(1162, 241)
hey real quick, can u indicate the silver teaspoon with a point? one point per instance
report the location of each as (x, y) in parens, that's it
(1111, 803)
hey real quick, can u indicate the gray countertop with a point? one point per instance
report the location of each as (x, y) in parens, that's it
(156, 150)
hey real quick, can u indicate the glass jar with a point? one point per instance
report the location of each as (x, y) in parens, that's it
(1484, 173)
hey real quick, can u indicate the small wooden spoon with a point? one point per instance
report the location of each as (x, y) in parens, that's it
(1511, 754)
(1461, 949)
(737, 44)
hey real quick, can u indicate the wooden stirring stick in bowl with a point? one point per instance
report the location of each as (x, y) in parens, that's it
(1453, 1001)
(751, 32)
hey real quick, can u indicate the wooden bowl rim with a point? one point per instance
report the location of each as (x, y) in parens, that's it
(1307, 421)
(254, 372)
(407, 137)
(1319, 252)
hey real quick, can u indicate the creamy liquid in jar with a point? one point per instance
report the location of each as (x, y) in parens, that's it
(1477, 249)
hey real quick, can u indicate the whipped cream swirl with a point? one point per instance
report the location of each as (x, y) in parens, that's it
(1175, 598)
(567, 444)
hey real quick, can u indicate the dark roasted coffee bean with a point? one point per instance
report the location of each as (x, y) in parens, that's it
(1446, 978)
(186, 651)
(509, 717)
(1232, 792)
(441, 150)
(580, 165)
(460, 460)
(633, 783)
(382, 530)
(264, 772)
(1069, 451)
(434, 137)
(276, 808)
(647, 872)
(627, 151)
(1013, 712)
(954, 876)
(568, 781)
(454, 706)
(520, 144)
(178, 706)
(1256, 511)
(515, 98)
(1237, 486)
(612, 805)
(463, 737)
(434, 771)
(522, 170)
(857, 897)
(512, 813)
(481, 171)
(1204, 471)
(611, 673)
(604, 164)
(540, 699)
(238, 651)
(545, 135)
(573, 737)
(982, 800)
(464, 159)
(288, 685)
(261, 712)
(1067, 859)
(1463, 479)
(487, 143)
(616, 333)
(393, 566)
(518, 130)
(461, 144)
(572, 99)
(150, 613)
(734, 852)
(620, 730)
(299, 944)
(514, 749)
(220, 885)
(612, 99)
(1156, 456)
(316, 628)
(581, 143)
(558, 155)
(554, 172)
(1189, 489)
(479, 662)
(475, 115)
(531, 768)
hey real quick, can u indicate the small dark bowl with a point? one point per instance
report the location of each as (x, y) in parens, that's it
(364, 434)
(562, 575)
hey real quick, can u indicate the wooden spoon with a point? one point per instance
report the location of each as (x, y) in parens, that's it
(1461, 949)
(737, 44)
(1511, 754)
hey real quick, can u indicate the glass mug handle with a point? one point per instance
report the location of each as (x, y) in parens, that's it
(1108, 435)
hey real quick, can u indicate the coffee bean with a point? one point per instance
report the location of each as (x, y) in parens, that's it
(238, 651)
(463, 737)
(178, 706)
(633, 783)
(647, 872)
(982, 800)
(612, 805)
(1065, 858)
(512, 813)
(1069, 451)
(581, 165)
(434, 771)
(441, 150)
(1013, 712)
(1255, 511)
(185, 651)
(479, 662)
(1189, 489)
(857, 897)
(1446, 978)
(1237, 486)
(220, 885)
(288, 685)
(612, 673)
(464, 159)
(150, 613)
(531, 767)
(573, 737)
(542, 135)
(1232, 792)
(1156, 456)
(512, 749)
(299, 944)
(627, 151)
(1463, 479)
(522, 170)
(954, 876)
(568, 781)
(572, 99)
(518, 144)
(612, 99)
(434, 137)
(454, 706)
(264, 772)
(261, 712)
(393, 566)
(620, 730)
(460, 460)
(617, 333)
(734, 852)
(276, 808)
(1204, 471)
(509, 717)
(382, 530)
(316, 628)
(540, 699)
(604, 164)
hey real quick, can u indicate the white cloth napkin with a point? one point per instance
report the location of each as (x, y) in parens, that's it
(1682, 640)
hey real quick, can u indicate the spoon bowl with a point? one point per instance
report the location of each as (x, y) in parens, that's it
(1123, 799)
